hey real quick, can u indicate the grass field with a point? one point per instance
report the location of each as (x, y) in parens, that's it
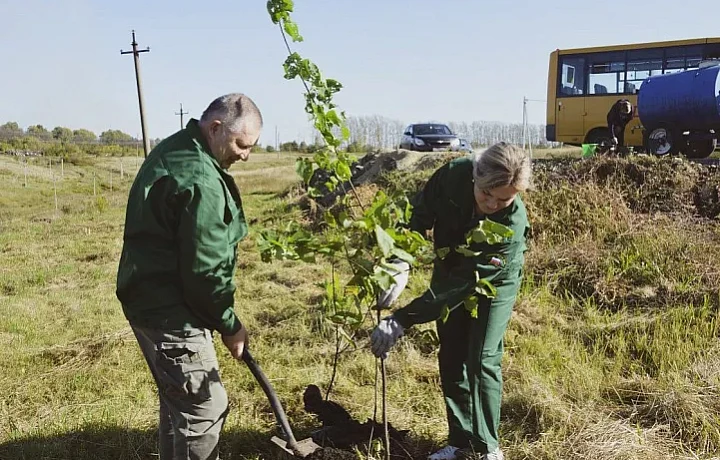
(612, 351)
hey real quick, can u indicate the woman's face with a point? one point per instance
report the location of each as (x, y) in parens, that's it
(495, 199)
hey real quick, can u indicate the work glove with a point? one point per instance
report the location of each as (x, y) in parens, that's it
(383, 338)
(401, 272)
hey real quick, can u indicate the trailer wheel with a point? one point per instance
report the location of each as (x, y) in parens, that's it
(701, 148)
(662, 141)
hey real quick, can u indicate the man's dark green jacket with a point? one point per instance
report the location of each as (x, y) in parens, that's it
(446, 205)
(183, 222)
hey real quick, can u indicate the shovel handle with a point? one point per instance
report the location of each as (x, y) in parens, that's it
(272, 397)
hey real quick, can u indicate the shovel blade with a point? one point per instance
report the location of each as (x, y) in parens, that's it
(305, 447)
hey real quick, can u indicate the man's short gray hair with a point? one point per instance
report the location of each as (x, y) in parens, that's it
(500, 165)
(234, 110)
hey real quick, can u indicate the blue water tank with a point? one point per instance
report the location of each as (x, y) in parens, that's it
(686, 100)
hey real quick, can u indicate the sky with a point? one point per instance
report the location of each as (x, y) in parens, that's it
(407, 60)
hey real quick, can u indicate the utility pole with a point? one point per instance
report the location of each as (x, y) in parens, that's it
(136, 54)
(525, 128)
(181, 113)
(526, 140)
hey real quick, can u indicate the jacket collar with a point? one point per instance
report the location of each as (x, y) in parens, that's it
(193, 129)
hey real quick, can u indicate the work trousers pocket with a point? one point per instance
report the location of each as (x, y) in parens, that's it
(184, 369)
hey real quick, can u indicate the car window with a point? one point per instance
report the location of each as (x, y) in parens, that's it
(431, 129)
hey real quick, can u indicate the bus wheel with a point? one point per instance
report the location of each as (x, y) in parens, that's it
(662, 141)
(598, 136)
(701, 148)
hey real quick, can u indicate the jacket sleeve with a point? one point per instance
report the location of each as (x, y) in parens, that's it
(454, 289)
(205, 258)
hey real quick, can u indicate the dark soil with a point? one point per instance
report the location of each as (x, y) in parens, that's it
(341, 435)
(329, 453)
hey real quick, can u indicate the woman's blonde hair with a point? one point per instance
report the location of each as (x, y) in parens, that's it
(500, 165)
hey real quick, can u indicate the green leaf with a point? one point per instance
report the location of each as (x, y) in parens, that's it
(444, 313)
(403, 255)
(343, 171)
(382, 278)
(477, 235)
(442, 252)
(346, 336)
(333, 117)
(385, 241)
(292, 29)
(361, 224)
(471, 305)
(408, 210)
(308, 257)
(465, 251)
(330, 219)
(485, 288)
(362, 266)
(496, 228)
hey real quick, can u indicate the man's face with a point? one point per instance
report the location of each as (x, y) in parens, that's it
(228, 147)
(625, 108)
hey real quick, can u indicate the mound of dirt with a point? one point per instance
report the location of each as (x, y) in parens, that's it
(646, 184)
(636, 184)
(370, 168)
(328, 453)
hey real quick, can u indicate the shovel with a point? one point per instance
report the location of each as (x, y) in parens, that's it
(301, 448)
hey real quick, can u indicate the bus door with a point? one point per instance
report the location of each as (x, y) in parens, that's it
(570, 104)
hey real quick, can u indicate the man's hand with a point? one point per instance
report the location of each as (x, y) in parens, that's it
(401, 273)
(236, 342)
(384, 336)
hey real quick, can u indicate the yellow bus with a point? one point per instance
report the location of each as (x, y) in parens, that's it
(583, 84)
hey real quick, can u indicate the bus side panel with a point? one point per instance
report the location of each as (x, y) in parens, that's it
(597, 108)
(550, 127)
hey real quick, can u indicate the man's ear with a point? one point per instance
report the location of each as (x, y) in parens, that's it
(215, 127)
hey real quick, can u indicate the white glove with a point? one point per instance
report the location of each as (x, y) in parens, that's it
(401, 273)
(614, 141)
(387, 332)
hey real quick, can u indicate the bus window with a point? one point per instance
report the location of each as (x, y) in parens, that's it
(572, 76)
(606, 73)
(712, 51)
(642, 64)
(679, 58)
(693, 62)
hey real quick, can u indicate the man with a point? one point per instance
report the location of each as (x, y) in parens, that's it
(618, 117)
(175, 278)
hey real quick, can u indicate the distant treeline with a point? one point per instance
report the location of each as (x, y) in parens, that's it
(62, 141)
(376, 132)
(368, 133)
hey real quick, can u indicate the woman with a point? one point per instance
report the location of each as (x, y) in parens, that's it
(455, 199)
